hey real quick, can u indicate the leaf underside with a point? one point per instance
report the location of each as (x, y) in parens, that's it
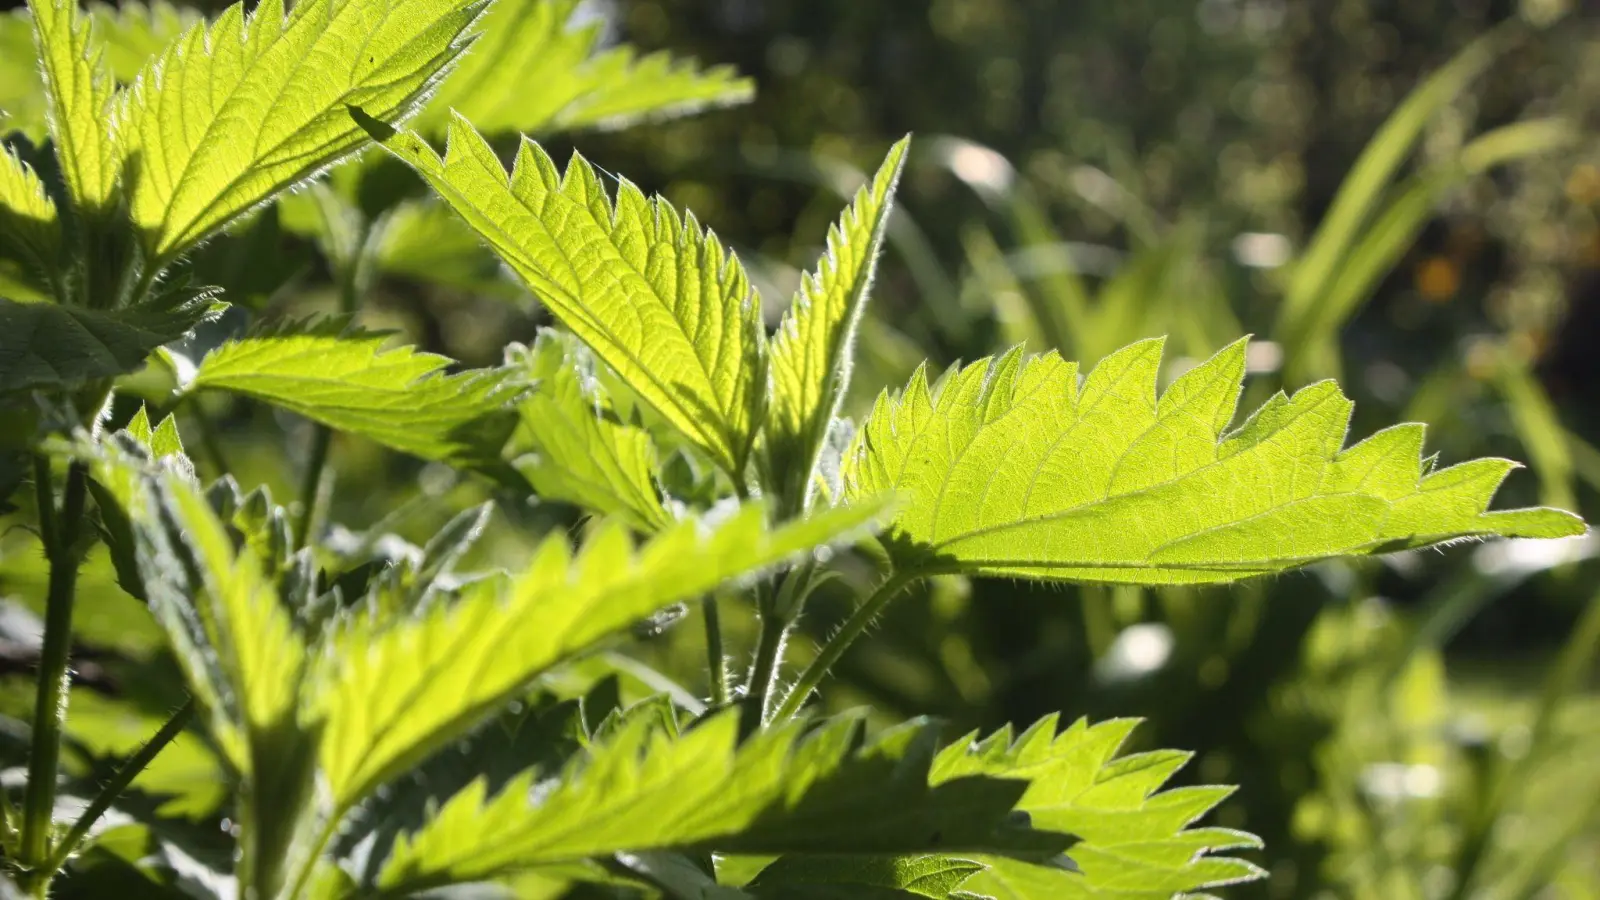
(1010, 467)
(44, 346)
(653, 294)
(783, 790)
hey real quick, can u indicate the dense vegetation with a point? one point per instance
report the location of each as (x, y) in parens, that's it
(456, 657)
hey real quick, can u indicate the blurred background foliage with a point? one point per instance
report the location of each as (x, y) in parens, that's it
(1405, 195)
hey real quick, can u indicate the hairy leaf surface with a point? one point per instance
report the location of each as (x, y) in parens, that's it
(812, 350)
(537, 42)
(397, 396)
(1136, 843)
(393, 691)
(656, 296)
(235, 112)
(79, 88)
(571, 447)
(44, 346)
(237, 644)
(1010, 467)
(780, 791)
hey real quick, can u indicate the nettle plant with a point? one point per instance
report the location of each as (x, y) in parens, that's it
(390, 729)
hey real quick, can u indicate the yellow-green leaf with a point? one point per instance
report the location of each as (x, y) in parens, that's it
(231, 114)
(811, 353)
(570, 446)
(1010, 467)
(654, 295)
(391, 692)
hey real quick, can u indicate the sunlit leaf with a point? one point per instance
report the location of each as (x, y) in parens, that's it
(355, 382)
(1010, 467)
(392, 690)
(1135, 840)
(656, 296)
(233, 113)
(571, 447)
(783, 790)
(811, 353)
(538, 42)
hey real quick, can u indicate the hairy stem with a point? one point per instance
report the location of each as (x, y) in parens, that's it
(119, 783)
(834, 649)
(715, 655)
(769, 653)
(60, 534)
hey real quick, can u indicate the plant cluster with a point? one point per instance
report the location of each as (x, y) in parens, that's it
(390, 726)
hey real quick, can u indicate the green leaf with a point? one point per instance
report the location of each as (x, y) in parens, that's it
(114, 490)
(79, 87)
(783, 790)
(812, 350)
(571, 446)
(657, 297)
(1135, 844)
(397, 397)
(537, 42)
(1008, 467)
(242, 655)
(30, 231)
(44, 346)
(939, 877)
(391, 691)
(232, 114)
(237, 644)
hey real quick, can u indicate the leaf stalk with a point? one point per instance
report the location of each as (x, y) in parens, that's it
(834, 649)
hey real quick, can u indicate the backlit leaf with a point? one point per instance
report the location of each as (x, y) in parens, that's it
(538, 42)
(811, 353)
(1135, 840)
(354, 382)
(393, 691)
(233, 113)
(783, 790)
(654, 295)
(1010, 467)
(570, 445)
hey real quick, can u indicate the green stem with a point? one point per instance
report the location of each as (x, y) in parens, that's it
(311, 485)
(769, 650)
(119, 783)
(832, 651)
(715, 656)
(50, 709)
